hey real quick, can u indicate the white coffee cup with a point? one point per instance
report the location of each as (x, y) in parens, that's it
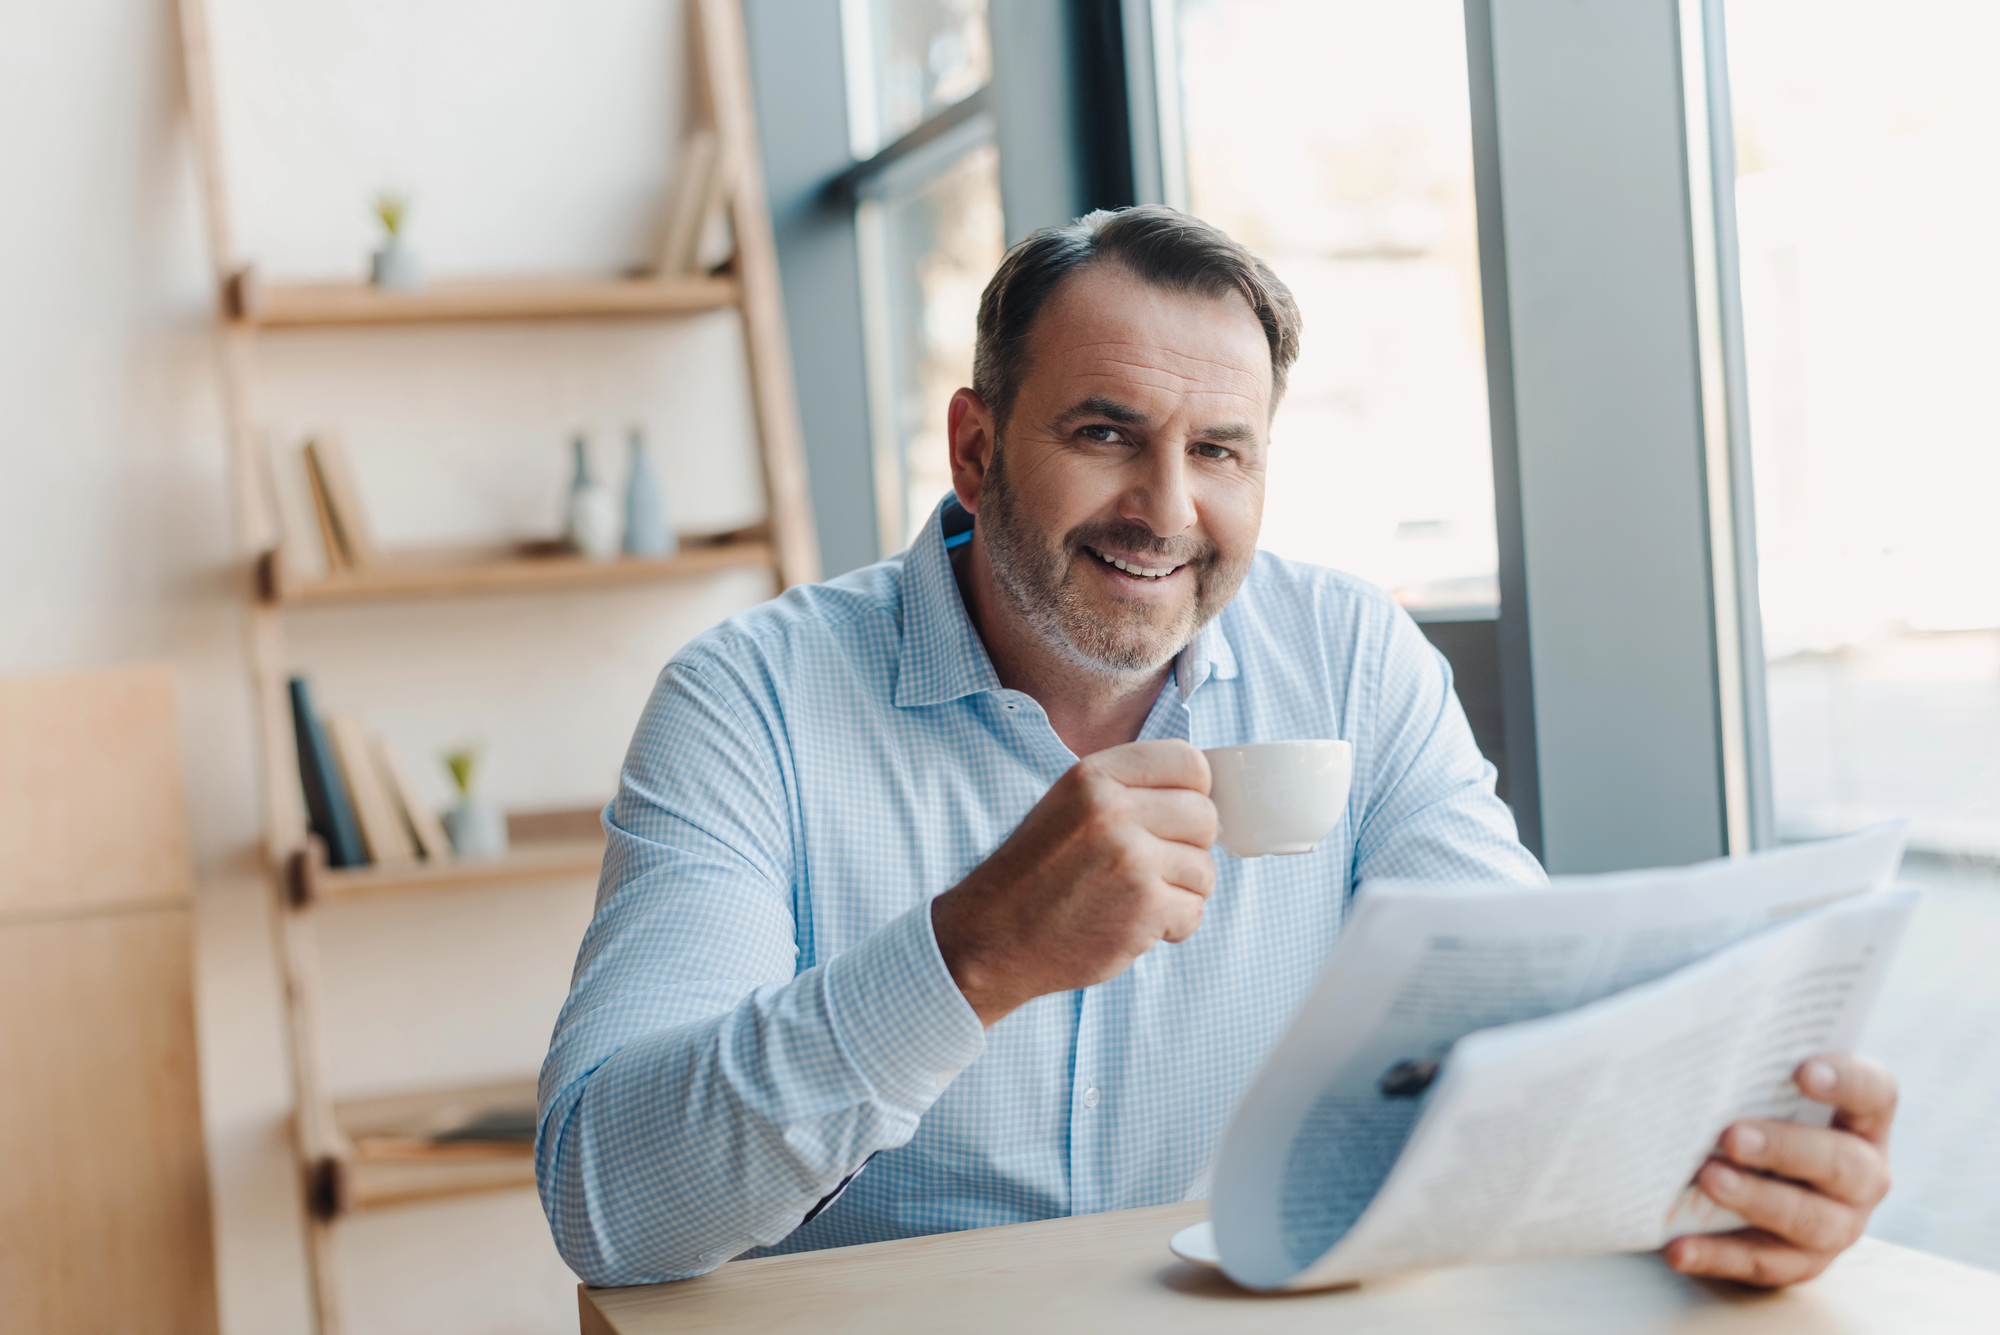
(1279, 797)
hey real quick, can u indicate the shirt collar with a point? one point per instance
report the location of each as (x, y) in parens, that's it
(942, 658)
(1207, 657)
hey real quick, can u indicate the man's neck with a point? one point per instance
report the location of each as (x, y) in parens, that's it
(1090, 710)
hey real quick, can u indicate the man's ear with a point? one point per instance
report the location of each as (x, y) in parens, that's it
(969, 426)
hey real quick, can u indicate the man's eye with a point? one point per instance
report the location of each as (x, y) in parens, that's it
(1209, 450)
(1107, 434)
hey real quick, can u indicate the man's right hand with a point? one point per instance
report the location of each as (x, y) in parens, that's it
(1113, 859)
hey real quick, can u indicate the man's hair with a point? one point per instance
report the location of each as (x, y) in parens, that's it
(1162, 246)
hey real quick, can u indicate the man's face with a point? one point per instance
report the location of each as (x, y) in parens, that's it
(1120, 510)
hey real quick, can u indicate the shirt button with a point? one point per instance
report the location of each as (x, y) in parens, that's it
(1090, 1097)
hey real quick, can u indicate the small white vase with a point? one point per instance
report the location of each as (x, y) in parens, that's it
(477, 829)
(593, 522)
(395, 266)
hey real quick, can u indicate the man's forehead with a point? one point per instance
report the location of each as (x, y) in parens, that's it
(1105, 325)
(1135, 382)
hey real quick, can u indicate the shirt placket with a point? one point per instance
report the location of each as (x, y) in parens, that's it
(1098, 1105)
(1039, 746)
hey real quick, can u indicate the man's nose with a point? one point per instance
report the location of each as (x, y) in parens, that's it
(1160, 496)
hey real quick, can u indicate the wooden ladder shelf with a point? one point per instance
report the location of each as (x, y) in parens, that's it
(356, 1154)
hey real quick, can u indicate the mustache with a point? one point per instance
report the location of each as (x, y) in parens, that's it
(1140, 541)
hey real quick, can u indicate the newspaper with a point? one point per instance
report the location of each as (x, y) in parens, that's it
(1491, 1073)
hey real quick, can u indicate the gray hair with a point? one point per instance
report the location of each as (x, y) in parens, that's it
(1162, 246)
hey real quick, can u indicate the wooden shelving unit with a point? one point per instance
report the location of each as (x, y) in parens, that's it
(455, 573)
(375, 1153)
(249, 301)
(387, 1156)
(545, 847)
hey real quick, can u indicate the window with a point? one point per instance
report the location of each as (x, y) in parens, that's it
(929, 230)
(1865, 143)
(1334, 137)
(927, 253)
(908, 60)
(1865, 140)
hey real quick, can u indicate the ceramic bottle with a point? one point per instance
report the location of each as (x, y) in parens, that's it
(648, 530)
(593, 512)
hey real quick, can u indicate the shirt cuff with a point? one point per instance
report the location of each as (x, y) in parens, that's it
(898, 1013)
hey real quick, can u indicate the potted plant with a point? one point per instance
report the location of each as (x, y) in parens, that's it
(478, 829)
(395, 264)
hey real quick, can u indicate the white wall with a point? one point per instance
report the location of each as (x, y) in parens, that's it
(531, 136)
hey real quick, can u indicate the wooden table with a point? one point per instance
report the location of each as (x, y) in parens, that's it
(1113, 1272)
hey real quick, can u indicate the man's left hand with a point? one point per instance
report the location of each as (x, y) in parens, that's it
(1810, 1190)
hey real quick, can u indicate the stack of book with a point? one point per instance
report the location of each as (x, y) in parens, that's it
(325, 531)
(695, 234)
(459, 1132)
(359, 799)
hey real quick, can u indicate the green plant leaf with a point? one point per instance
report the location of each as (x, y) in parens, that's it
(390, 209)
(462, 763)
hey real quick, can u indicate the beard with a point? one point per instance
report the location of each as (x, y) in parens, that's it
(1042, 581)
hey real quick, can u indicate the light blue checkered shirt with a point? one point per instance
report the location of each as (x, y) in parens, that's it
(759, 1005)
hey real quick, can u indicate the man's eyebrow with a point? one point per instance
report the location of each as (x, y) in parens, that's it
(1097, 405)
(1232, 433)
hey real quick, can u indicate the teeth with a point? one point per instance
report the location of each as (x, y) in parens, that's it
(1143, 572)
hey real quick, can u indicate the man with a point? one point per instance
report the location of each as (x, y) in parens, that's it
(863, 904)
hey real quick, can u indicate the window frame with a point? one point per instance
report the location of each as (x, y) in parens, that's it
(1630, 649)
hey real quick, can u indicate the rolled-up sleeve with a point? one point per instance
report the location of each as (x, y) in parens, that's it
(702, 1092)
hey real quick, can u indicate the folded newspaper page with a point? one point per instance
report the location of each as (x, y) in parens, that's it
(1490, 1073)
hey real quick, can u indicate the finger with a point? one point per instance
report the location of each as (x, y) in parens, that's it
(1838, 1163)
(1183, 915)
(1185, 868)
(1862, 1091)
(1748, 1256)
(1179, 814)
(1164, 764)
(1798, 1215)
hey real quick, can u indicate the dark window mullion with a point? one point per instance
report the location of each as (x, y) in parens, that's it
(868, 177)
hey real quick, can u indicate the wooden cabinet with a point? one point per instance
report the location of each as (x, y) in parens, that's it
(104, 1205)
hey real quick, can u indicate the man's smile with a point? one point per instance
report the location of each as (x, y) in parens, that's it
(1136, 569)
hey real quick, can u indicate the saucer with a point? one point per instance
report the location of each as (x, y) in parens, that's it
(1196, 1243)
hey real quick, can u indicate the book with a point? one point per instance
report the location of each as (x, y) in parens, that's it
(329, 527)
(486, 1132)
(342, 520)
(425, 827)
(383, 829)
(301, 533)
(328, 810)
(717, 244)
(1495, 1073)
(696, 195)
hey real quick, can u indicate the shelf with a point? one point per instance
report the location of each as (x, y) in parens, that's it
(386, 1158)
(530, 862)
(517, 569)
(543, 846)
(250, 301)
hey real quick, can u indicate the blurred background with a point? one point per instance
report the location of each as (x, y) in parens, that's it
(903, 144)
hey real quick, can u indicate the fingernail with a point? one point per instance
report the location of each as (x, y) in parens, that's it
(1749, 1140)
(1724, 1179)
(1689, 1255)
(1820, 1077)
